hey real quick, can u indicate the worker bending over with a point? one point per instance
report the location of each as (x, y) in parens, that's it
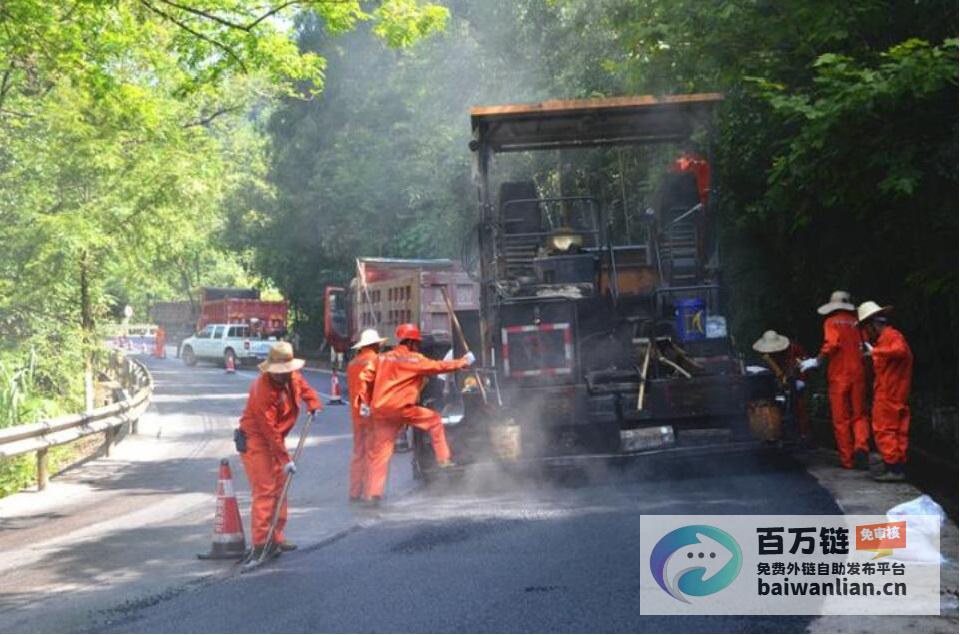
(393, 382)
(892, 372)
(271, 412)
(843, 349)
(782, 356)
(367, 347)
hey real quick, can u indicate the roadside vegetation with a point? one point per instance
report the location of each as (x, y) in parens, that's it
(124, 128)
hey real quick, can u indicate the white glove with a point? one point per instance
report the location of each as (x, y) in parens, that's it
(471, 358)
(801, 385)
(290, 468)
(867, 349)
(364, 411)
(809, 364)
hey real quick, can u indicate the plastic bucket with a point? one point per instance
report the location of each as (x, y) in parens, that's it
(691, 318)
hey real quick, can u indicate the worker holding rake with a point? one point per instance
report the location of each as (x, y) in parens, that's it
(271, 413)
(390, 390)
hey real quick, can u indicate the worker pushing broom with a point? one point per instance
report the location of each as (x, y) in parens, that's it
(272, 409)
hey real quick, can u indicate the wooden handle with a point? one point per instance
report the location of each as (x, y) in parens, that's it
(463, 339)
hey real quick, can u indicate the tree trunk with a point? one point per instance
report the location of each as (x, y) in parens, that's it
(86, 329)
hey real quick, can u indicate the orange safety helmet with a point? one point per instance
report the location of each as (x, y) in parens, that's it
(408, 332)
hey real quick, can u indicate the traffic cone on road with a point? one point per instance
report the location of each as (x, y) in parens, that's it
(229, 366)
(228, 540)
(336, 398)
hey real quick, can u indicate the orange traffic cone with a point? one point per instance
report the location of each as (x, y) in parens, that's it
(228, 540)
(336, 398)
(229, 365)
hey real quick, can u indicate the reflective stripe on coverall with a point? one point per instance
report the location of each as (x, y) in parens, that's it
(893, 368)
(270, 414)
(845, 385)
(396, 378)
(362, 428)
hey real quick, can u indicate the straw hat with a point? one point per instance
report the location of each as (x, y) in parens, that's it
(771, 342)
(367, 338)
(281, 359)
(839, 301)
(870, 309)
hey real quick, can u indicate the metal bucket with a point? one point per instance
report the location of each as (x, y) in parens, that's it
(505, 440)
(766, 420)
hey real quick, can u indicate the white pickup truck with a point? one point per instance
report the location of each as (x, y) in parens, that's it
(221, 342)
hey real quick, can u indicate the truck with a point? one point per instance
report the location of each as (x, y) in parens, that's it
(387, 292)
(178, 319)
(242, 306)
(228, 344)
(601, 328)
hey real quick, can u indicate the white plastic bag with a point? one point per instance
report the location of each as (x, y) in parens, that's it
(923, 530)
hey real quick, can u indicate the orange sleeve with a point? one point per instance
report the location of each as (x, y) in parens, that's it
(427, 366)
(308, 394)
(367, 377)
(831, 339)
(896, 347)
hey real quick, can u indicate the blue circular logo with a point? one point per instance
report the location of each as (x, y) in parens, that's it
(695, 561)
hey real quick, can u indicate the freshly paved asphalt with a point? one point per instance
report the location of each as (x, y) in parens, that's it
(493, 554)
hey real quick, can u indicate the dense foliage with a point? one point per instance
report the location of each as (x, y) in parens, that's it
(126, 126)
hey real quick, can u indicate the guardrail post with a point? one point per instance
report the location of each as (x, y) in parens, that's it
(109, 437)
(43, 473)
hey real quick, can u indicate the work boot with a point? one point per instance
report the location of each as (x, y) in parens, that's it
(861, 460)
(446, 464)
(890, 474)
(355, 500)
(286, 545)
(373, 502)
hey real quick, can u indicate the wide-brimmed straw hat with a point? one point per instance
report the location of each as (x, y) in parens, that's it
(870, 309)
(368, 337)
(771, 342)
(280, 359)
(839, 301)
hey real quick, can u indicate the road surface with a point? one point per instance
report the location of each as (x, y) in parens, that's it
(112, 545)
(123, 530)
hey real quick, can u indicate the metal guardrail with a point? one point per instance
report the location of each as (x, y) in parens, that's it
(108, 420)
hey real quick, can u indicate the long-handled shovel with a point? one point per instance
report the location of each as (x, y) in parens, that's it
(252, 563)
(463, 339)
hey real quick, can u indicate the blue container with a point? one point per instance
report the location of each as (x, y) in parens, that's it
(691, 317)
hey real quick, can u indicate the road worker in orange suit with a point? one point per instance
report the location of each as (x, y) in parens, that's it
(892, 374)
(160, 343)
(271, 412)
(843, 349)
(367, 347)
(393, 382)
(782, 355)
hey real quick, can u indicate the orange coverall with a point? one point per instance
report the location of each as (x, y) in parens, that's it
(893, 368)
(845, 385)
(161, 341)
(271, 412)
(396, 381)
(362, 428)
